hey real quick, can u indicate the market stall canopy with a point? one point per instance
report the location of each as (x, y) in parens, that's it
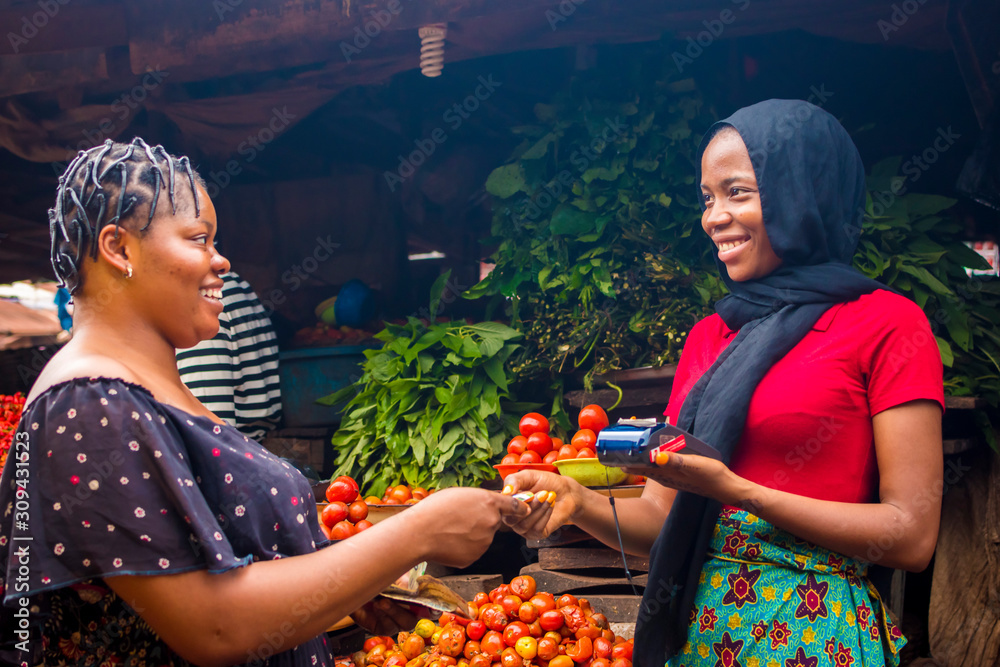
(21, 326)
(224, 73)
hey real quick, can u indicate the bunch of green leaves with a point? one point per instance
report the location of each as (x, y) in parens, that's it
(596, 223)
(911, 244)
(433, 406)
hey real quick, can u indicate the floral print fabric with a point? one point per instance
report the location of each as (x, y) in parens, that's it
(769, 599)
(122, 484)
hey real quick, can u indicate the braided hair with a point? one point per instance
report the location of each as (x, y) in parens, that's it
(110, 184)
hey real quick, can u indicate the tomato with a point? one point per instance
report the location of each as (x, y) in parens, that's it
(554, 636)
(621, 662)
(420, 492)
(581, 651)
(593, 417)
(348, 480)
(373, 500)
(475, 630)
(591, 631)
(535, 629)
(561, 661)
(526, 647)
(551, 457)
(586, 453)
(575, 618)
(340, 490)
(530, 457)
(412, 646)
(517, 445)
(600, 662)
(492, 644)
(401, 493)
(452, 641)
(623, 650)
(584, 438)
(523, 586)
(566, 600)
(515, 631)
(499, 592)
(510, 459)
(566, 452)
(540, 443)
(357, 511)
(557, 443)
(471, 649)
(547, 648)
(448, 618)
(495, 618)
(527, 613)
(326, 531)
(481, 600)
(376, 656)
(342, 530)
(371, 643)
(551, 620)
(481, 660)
(364, 524)
(533, 423)
(510, 604)
(334, 513)
(600, 620)
(424, 628)
(396, 659)
(510, 658)
(602, 648)
(543, 601)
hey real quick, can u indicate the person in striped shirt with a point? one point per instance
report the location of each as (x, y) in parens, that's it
(235, 374)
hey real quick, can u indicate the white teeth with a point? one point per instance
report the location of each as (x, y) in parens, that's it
(211, 293)
(729, 245)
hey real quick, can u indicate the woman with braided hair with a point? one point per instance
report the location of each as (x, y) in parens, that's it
(157, 534)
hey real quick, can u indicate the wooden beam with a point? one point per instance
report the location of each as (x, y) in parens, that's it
(34, 72)
(64, 27)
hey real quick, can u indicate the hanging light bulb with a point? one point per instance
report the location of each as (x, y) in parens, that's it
(432, 48)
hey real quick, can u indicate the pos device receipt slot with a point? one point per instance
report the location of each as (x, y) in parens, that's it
(636, 442)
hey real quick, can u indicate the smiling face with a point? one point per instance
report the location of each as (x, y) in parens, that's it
(177, 273)
(733, 218)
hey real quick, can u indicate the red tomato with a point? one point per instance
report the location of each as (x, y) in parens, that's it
(602, 648)
(517, 445)
(593, 417)
(481, 600)
(584, 438)
(481, 660)
(349, 480)
(510, 459)
(535, 628)
(371, 643)
(586, 453)
(475, 630)
(582, 650)
(533, 423)
(543, 602)
(420, 493)
(523, 586)
(471, 649)
(547, 648)
(530, 457)
(551, 457)
(515, 631)
(495, 618)
(400, 492)
(364, 524)
(621, 662)
(623, 651)
(561, 661)
(510, 658)
(600, 662)
(342, 530)
(566, 452)
(341, 490)
(551, 620)
(566, 600)
(527, 613)
(510, 604)
(492, 644)
(412, 646)
(540, 443)
(452, 641)
(334, 513)
(499, 592)
(357, 511)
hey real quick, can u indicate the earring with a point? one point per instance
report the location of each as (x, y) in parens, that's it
(128, 271)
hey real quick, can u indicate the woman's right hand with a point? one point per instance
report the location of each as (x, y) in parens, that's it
(457, 525)
(546, 518)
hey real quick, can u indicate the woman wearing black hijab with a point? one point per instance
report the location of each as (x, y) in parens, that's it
(823, 392)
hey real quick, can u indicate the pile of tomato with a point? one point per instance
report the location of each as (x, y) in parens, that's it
(535, 445)
(346, 513)
(401, 494)
(513, 625)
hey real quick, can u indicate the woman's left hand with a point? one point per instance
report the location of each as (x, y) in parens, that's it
(690, 472)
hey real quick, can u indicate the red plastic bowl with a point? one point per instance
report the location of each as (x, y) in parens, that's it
(510, 468)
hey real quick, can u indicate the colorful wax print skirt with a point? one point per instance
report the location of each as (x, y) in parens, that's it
(769, 599)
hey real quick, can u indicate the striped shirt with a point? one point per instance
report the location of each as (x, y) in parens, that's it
(235, 374)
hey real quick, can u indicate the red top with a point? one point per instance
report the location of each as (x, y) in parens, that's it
(809, 425)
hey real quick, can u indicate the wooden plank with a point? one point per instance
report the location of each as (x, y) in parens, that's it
(637, 397)
(561, 582)
(959, 445)
(581, 559)
(617, 608)
(561, 537)
(964, 403)
(467, 585)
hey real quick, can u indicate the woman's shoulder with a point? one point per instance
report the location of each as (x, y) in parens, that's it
(66, 373)
(884, 305)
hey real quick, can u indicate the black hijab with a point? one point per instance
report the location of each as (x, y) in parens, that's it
(812, 194)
